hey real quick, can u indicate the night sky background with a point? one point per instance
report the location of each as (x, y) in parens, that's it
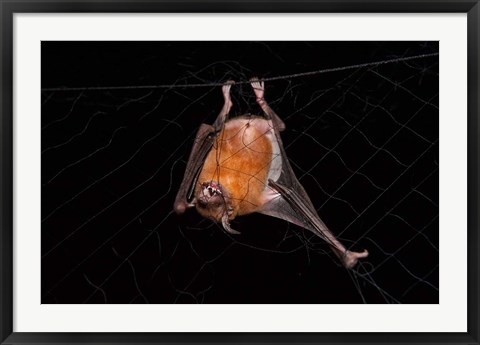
(363, 141)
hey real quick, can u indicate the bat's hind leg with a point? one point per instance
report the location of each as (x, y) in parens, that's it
(227, 105)
(259, 89)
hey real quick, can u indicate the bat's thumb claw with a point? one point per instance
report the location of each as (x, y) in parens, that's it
(179, 207)
(226, 225)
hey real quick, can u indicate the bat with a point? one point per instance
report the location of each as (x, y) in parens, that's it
(238, 166)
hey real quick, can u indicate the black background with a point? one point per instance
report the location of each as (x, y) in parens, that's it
(363, 142)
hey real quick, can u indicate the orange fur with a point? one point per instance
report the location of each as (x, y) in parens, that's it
(239, 161)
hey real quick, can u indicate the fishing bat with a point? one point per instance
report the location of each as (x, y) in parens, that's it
(238, 166)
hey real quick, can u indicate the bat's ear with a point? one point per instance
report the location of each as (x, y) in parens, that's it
(226, 225)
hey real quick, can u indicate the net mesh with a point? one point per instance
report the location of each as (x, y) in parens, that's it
(363, 141)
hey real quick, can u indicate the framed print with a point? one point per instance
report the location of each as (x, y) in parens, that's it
(263, 172)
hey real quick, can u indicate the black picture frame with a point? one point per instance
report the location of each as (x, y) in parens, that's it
(9, 7)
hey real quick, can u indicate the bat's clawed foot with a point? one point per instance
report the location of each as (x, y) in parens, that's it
(226, 87)
(259, 89)
(226, 226)
(226, 93)
(350, 259)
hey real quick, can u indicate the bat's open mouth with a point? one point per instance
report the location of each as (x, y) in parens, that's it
(211, 195)
(211, 188)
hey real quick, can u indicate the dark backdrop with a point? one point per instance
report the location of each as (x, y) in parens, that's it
(363, 141)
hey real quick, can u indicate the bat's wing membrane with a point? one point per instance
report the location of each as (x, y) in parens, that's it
(203, 144)
(292, 202)
(289, 201)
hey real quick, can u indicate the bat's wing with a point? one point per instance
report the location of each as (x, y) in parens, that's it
(204, 140)
(203, 144)
(287, 199)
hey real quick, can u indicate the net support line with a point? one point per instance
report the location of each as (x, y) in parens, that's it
(288, 76)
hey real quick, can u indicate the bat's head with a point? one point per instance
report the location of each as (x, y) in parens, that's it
(213, 201)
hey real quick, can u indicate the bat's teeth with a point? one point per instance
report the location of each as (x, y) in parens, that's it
(210, 189)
